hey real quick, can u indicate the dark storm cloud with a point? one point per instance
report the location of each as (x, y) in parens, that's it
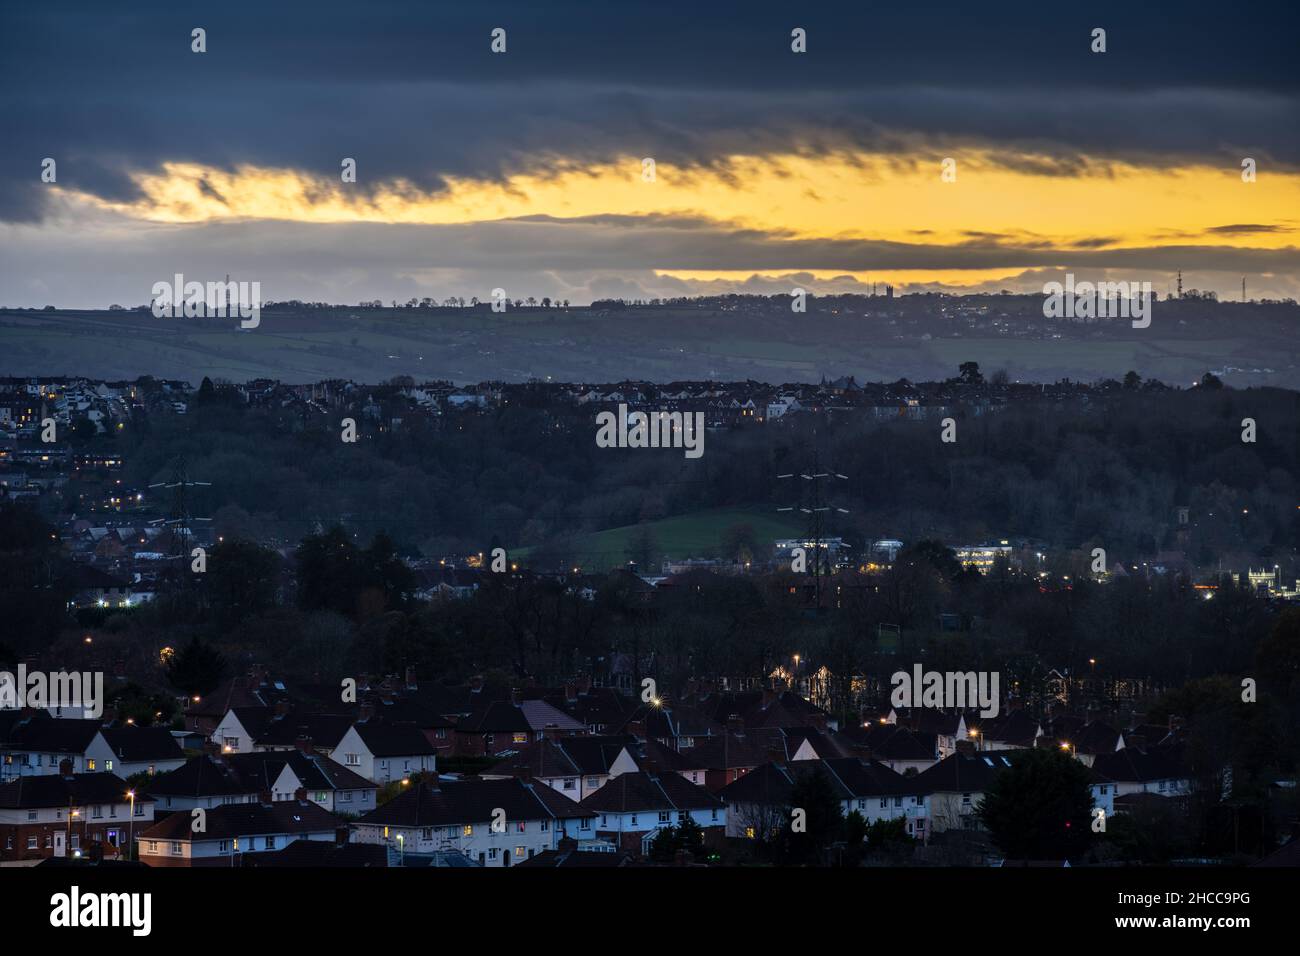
(412, 91)
(1245, 229)
(277, 251)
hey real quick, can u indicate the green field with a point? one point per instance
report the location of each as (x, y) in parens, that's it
(579, 345)
(696, 535)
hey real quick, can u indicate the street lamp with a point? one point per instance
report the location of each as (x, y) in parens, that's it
(401, 848)
(130, 840)
(72, 812)
(1067, 746)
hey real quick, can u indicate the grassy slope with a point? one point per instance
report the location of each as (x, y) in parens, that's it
(681, 536)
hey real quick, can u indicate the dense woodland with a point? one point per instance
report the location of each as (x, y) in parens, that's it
(1108, 472)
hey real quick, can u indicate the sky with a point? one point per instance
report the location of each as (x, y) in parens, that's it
(526, 170)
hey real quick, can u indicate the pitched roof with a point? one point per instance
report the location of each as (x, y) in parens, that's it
(453, 803)
(655, 757)
(564, 757)
(246, 819)
(960, 773)
(601, 706)
(869, 778)
(142, 743)
(633, 792)
(393, 740)
(892, 742)
(238, 692)
(824, 745)
(52, 735)
(1096, 737)
(728, 751)
(497, 717)
(758, 708)
(769, 783)
(1132, 764)
(55, 790)
(211, 775)
(1017, 727)
(849, 777)
(542, 716)
(284, 730)
(318, 854)
(928, 720)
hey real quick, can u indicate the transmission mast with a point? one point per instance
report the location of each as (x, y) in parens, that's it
(179, 520)
(813, 504)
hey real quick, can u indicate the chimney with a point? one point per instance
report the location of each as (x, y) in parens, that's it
(584, 684)
(516, 697)
(636, 728)
(282, 708)
(65, 767)
(570, 692)
(692, 688)
(342, 836)
(817, 720)
(1173, 723)
(965, 746)
(769, 697)
(735, 725)
(303, 743)
(264, 796)
(476, 685)
(367, 712)
(410, 679)
(211, 747)
(300, 795)
(1137, 741)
